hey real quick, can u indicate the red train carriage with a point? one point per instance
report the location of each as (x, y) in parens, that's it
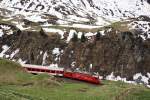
(43, 69)
(82, 76)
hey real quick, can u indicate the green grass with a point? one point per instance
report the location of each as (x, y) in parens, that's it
(74, 28)
(16, 84)
(121, 26)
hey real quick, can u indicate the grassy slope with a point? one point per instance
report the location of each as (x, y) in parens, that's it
(15, 84)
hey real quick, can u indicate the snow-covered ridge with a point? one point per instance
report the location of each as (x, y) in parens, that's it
(142, 28)
(138, 78)
(5, 29)
(74, 10)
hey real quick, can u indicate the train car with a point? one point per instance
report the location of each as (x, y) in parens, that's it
(36, 69)
(82, 77)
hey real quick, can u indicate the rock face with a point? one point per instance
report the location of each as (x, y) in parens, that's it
(123, 53)
(32, 46)
(148, 1)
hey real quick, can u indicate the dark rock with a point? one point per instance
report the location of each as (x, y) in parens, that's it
(148, 1)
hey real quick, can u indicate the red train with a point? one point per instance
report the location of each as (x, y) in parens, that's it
(60, 72)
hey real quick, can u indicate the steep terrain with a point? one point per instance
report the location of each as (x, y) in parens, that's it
(115, 51)
(15, 84)
(41, 32)
(99, 12)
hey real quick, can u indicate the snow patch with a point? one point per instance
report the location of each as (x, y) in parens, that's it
(14, 53)
(84, 26)
(20, 26)
(80, 35)
(5, 48)
(142, 28)
(56, 51)
(139, 78)
(89, 34)
(111, 77)
(71, 33)
(1, 33)
(36, 18)
(10, 32)
(44, 58)
(5, 27)
(53, 65)
(21, 61)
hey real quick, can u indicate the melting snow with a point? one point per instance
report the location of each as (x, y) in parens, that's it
(143, 27)
(10, 32)
(1, 33)
(44, 58)
(53, 65)
(71, 33)
(21, 61)
(137, 78)
(140, 78)
(14, 53)
(111, 77)
(89, 34)
(5, 27)
(118, 78)
(5, 48)
(148, 74)
(36, 18)
(56, 51)
(84, 26)
(102, 32)
(111, 10)
(20, 26)
(41, 52)
(79, 35)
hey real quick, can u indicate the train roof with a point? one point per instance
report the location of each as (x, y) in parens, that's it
(42, 67)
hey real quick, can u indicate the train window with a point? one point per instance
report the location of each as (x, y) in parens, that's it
(57, 72)
(48, 71)
(37, 70)
(42, 70)
(31, 69)
(53, 71)
(28, 69)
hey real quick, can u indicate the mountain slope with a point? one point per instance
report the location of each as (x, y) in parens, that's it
(22, 36)
(79, 10)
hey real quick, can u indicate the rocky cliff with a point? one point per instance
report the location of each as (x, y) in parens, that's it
(124, 53)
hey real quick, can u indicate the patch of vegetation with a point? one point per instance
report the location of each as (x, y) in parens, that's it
(140, 94)
(74, 28)
(13, 74)
(121, 26)
(75, 37)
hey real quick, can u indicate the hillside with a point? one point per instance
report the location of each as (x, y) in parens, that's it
(20, 85)
(117, 50)
(110, 38)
